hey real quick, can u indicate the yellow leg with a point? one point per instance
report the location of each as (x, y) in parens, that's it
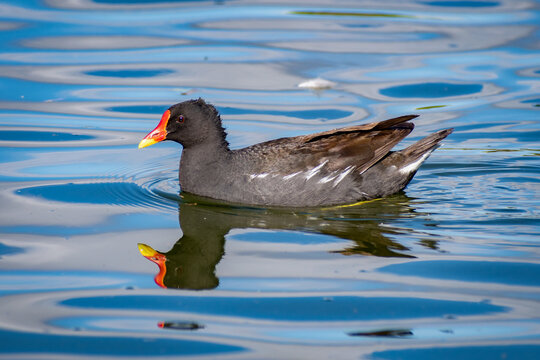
(349, 205)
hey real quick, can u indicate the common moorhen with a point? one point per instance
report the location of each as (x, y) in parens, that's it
(334, 167)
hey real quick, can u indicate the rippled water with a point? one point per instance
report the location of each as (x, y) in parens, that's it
(448, 269)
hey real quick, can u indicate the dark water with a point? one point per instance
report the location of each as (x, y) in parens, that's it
(450, 269)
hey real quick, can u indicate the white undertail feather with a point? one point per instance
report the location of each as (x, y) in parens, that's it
(407, 169)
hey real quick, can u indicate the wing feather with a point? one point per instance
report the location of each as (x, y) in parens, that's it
(360, 146)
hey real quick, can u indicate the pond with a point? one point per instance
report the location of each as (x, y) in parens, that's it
(101, 255)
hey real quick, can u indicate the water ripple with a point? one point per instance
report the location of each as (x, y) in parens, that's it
(157, 193)
(49, 137)
(452, 262)
(96, 42)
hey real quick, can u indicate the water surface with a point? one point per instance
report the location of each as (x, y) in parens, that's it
(100, 254)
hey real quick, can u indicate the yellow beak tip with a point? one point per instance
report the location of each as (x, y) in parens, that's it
(146, 250)
(146, 142)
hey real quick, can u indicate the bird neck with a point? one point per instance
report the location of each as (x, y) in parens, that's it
(213, 146)
(201, 165)
(204, 155)
(202, 162)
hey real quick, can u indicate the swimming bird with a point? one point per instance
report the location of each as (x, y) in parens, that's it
(330, 168)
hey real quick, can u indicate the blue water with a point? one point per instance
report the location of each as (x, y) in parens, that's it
(447, 269)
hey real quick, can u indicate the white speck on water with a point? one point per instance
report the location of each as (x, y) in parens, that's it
(317, 84)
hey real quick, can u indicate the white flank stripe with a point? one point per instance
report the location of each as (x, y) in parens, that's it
(258, 176)
(290, 176)
(328, 178)
(315, 170)
(345, 172)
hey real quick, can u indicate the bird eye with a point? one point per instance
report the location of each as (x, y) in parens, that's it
(180, 119)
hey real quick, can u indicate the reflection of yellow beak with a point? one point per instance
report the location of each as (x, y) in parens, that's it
(157, 258)
(158, 134)
(146, 250)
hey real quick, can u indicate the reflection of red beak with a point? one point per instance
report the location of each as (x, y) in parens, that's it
(158, 134)
(158, 258)
(179, 325)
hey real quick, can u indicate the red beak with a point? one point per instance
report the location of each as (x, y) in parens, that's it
(158, 134)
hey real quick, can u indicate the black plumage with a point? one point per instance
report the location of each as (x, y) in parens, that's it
(340, 166)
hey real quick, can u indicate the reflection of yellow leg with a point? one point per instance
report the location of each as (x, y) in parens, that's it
(349, 205)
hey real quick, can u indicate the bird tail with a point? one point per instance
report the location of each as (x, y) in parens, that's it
(427, 144)
(419, 151)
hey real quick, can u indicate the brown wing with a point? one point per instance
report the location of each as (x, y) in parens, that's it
(360, 146)
(381, 125)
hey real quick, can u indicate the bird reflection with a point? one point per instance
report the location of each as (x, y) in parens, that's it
(191, 262)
